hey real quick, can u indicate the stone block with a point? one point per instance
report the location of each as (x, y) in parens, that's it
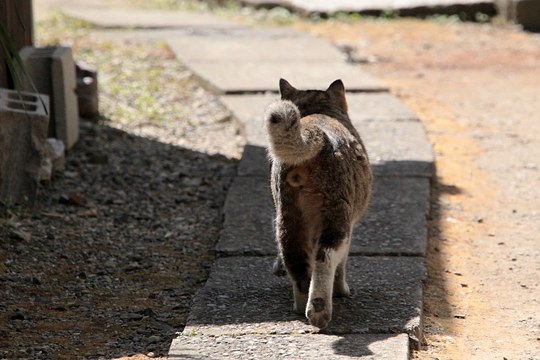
(249, 110)
(394, 137)
(523, 12)
(52, 70)
(397, 158)
(248, 214)
(363, 108)
(394, 224)
(254, 162)
(87, 90)
(24, 121)
(254, 45)
(308, 346)
(397, 148)
(253, 60)
(420, 8)
(242, 297)
(253, 77)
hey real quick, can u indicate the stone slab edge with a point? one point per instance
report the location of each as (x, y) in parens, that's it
(309, 346)
(394, 224)
(386, 298)
(376, 7)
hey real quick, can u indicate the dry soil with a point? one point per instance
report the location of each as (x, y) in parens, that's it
(476, 88)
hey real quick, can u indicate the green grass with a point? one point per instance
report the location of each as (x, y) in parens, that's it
(130, 77)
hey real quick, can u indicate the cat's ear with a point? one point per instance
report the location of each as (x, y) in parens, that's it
(286, 90)
(337, 90)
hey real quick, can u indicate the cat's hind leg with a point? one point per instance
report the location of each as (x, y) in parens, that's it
(296, 254)
(332, 249)
(341, 288)
(277, 268)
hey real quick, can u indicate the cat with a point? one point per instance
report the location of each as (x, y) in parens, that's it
(321, 183)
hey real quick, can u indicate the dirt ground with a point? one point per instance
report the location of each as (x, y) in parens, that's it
(476, 88)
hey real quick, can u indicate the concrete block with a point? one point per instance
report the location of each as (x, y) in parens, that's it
(254, 162)
(87, 90)
(248, 217)
(363, 108)
(253, 77)
(394, 224)
(259, 45)
(468, 8)
(252, 61)
(242, 297)
(249, 110)
(397, 148)
(24, 121)
(522, 12)
(52, 70)
(395, 138)
(308, 346)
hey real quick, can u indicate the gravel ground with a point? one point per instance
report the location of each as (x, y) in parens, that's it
(106, 262)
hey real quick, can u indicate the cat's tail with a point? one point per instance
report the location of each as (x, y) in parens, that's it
(289, 141)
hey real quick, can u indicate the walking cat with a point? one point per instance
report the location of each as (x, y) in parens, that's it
(321, 184)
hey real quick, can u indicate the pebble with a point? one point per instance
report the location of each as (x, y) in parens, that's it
(20, 235)
(18, 315)
(97, 249)
(153, 339)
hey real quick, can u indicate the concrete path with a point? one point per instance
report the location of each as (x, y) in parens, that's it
(468, 8)
(245, 312)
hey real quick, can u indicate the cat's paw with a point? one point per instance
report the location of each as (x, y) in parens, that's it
(300, 303)
(319, 312)
(278, 269)
(342, 290)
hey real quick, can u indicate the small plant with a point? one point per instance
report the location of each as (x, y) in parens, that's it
(8, 211)
(190, 333)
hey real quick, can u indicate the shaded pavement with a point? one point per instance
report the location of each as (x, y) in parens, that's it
(243, 311)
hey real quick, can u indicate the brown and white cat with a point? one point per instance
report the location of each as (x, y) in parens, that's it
(321, 184)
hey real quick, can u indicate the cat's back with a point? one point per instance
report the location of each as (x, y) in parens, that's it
(340, 170)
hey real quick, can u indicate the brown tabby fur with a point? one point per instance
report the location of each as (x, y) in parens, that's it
(321, 183)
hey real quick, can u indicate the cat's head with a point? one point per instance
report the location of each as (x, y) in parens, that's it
(315, 101)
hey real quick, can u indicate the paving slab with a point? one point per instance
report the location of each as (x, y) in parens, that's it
(523, 12)
(248, 216)
(242, 296)
(394, 224)
(395, 138)
(403, 7)
(249, 110)
(247, 45)
(251, 61)
(370, 107)
(254, 162)
(389, 151)
(397, 148)
(309, 346)
(256, 77)
(111, 18)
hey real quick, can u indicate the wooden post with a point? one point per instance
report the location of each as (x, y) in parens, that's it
(16, 17)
